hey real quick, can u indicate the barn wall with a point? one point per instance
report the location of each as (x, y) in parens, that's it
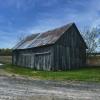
(70, 51)
(61, 57)
(37, 58)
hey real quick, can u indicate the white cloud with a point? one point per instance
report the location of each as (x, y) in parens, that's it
(61, 14)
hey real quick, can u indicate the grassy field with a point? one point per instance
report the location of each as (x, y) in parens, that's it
(86, 74)
(5, 59)
(93, 61)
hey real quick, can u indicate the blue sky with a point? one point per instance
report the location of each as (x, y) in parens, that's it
(23, 17)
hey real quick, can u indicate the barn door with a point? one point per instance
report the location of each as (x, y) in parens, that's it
(42, 61)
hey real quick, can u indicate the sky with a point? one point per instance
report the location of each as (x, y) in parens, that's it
(19, 18)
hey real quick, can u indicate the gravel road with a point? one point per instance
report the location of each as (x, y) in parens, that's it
(12, 88)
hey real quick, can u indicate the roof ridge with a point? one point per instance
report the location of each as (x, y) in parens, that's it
(41, 41)
(58, 27)
(45, 38)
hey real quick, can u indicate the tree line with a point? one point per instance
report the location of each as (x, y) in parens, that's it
(5, 52)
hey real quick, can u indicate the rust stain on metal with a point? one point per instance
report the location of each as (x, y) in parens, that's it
(46, 38)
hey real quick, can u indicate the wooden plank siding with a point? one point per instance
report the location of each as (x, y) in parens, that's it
(68, 52)
(39, 58)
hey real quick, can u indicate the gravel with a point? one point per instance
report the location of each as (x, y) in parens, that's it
(14, 88)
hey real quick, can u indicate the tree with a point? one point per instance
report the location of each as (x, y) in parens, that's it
(99, 41)
(91, 38)
(20, 38)
(5, 52)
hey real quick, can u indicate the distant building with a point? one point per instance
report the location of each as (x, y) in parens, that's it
(59, 49)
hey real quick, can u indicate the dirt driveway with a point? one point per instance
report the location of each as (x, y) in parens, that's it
(12, 88)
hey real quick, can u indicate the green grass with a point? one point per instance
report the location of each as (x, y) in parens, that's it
(86, 74)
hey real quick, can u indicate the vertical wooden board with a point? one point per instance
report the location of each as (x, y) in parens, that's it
(32, 61)
(57, 60)
(69, 58)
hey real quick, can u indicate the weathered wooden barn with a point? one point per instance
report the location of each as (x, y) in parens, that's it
(59, 49)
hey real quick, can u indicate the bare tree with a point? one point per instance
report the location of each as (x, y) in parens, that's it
(91, 39)
(19, 40)
(21, 37)
(99, 41)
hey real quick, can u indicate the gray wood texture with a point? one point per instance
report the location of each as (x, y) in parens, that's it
(69, 52)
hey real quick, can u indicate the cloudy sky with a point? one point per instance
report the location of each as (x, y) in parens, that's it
(23, 17)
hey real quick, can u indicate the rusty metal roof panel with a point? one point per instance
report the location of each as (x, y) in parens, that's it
(49, 37)
(46, 38)
(25, 42)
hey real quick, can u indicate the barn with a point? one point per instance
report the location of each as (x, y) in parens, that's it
(62, 48)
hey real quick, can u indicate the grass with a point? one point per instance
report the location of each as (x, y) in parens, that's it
(86, 74)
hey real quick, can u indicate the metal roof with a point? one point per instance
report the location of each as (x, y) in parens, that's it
(23, 44)
(46, 38)
(42, 39)
(49, 37)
